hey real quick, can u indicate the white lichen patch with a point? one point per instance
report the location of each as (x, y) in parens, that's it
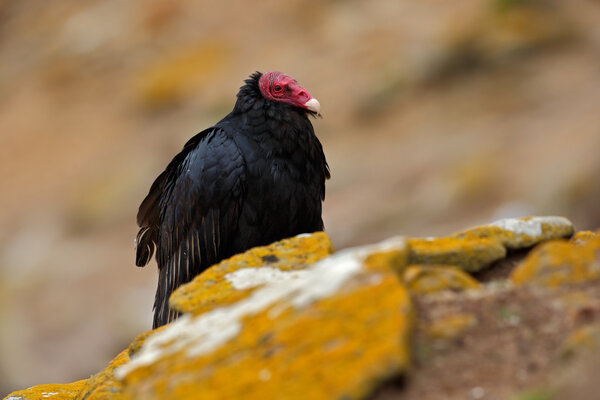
(247, 278)
(199, 335)
(49, 394)
(531, 226)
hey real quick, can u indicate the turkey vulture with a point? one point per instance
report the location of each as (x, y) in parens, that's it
(255, 177)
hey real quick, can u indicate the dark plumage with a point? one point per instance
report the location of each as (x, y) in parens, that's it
(255, 177)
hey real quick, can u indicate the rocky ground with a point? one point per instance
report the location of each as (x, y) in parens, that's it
(436, 117)
(395, 319)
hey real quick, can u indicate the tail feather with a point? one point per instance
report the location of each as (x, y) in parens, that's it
(162, 313)
(144, 246)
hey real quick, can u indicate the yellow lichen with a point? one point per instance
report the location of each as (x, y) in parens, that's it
(469, 254)
(559, 262)
(55, 391)
(451, 326)
(104, 384)
(210, 289)
(425, 279)
(395, 260)
(582, 237)
(339, 346)
(137, 343)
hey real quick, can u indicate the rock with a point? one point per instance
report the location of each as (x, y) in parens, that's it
(518, 233)
(220, 284)
(426, 279)
(99, 386)
(57, 391)
(560, 262)
(295, 320)
(104, 384)
(332, 330)
(291, 324)
(583, 237)
(477, 248)
(470, 254)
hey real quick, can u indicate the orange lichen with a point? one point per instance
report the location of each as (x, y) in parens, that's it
(104, 384)
(582, 237)
(337, 346)
(395, 260)
(137, 343)
(477, 248)
(341, 339)
(211, 289)
(54, 391)
(425, 279)
(469, 254)
(99, 386)
(560, 262)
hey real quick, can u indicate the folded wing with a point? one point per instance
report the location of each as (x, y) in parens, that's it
(190, 213)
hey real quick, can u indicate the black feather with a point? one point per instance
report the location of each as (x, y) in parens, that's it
(255, 177)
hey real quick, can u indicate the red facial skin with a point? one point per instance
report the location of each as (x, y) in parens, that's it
(276, 86)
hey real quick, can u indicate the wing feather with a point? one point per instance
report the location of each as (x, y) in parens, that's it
(196, 211)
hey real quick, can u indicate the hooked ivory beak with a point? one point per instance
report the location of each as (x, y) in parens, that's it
(313, 105)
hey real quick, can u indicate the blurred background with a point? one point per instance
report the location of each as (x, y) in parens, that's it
(438, 115)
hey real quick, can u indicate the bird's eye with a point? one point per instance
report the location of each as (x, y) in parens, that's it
(277, 88)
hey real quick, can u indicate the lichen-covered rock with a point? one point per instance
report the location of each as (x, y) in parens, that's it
(221, 284)
(582, 237)
(469, 254)
(333, 330)
(55, 391)
(426, 279)
(292, 320)
(517, 233)
(560, 262)
(477, 248)
(104, 385)
(394, 259)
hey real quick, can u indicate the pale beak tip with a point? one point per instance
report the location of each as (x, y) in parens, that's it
(313, 105)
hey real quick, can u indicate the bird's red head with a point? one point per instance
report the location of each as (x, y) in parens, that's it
(276, 86)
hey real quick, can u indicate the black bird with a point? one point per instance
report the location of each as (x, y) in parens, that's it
(255, 177)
